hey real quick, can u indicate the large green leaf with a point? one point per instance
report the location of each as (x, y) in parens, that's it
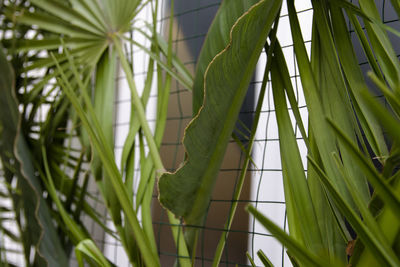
(239, 184)
(217, 39)
(187, 192)
(40, 230)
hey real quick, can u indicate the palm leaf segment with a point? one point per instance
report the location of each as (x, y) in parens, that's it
(87, 27)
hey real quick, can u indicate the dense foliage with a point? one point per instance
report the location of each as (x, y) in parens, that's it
(58, 66)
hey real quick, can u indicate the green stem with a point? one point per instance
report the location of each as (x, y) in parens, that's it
(76, 232)
(139, 108)
(176, 230)
(116, 220)
(105, 153)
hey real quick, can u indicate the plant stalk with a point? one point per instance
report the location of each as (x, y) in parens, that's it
(177, 233)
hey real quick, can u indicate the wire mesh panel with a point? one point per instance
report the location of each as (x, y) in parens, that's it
(264, 186)
(139, 59)
(267, 192)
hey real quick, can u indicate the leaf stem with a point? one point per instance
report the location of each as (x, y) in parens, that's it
(177, 233)
(139, 108)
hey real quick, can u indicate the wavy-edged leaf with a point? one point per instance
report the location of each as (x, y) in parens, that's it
(217, 39)
(187, 192)
(40, 229)
(247, 151)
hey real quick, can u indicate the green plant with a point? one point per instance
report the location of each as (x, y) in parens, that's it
(54, 138)
(335, 188)
(340, 166)
(90, 35)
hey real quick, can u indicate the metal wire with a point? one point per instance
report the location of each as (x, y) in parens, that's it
(191, 20)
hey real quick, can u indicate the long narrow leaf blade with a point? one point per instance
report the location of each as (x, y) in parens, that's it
(384, 255)
(301, 213)
(296, 249)
(90, 249)
(382, 187)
